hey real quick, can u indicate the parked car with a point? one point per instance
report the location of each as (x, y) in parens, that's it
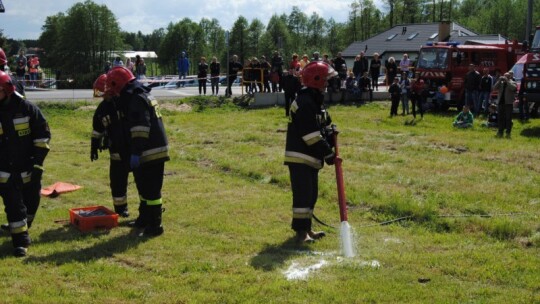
(190, 81)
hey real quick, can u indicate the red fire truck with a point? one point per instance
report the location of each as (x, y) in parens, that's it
(446, 64)
(528, 68)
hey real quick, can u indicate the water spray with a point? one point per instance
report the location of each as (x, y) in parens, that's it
(345, 228)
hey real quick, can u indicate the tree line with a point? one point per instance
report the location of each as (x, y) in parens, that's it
(80, 41)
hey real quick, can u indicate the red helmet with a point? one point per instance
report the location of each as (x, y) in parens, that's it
(316, 74)
(117, 78)
(99, 85)
(3, 58)
(6, 84)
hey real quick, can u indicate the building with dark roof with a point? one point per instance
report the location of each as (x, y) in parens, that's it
(408, 38)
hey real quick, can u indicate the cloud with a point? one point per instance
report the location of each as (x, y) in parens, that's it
(24, 19)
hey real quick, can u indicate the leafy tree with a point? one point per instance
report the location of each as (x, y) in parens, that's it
(297, 25)
(254, 33)
(80, 41)
(238, 37)
(185, 35)
(276, 38)
(133, 41)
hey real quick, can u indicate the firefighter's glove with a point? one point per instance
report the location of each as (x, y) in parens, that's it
(93, 154)
(94, 147)
(330, 159)
(134, 161)
(104, 143)
(37, 173)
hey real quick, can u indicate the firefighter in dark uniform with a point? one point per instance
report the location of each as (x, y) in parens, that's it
(309, 144)
(147, 142)
(3, 61)
(109, 133)
(24, 144)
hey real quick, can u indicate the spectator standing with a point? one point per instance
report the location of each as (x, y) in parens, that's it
(107, 67)
(395, 93)
(472, 85)
(294, 64)
(265, 66)
(405, 64)
(375, 70)
(21, 63)
(360, 66)
(391, 70)
(19, 87)
(183, 68)
(277, 67)
(34, 70)
(505, 103)
(405, 86)
(486, 84)
(291, 85)
(118, 62)
(351, 87)
(202, 74)
(316, 56)
(417, 96)
(234, 68)
(304, 61)
(215, 70)
(325, 59)
(24, 144)
(130, 65)
(256, 74)
(140, 68)
(338, 63)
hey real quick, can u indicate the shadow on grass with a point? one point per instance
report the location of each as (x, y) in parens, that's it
(531, 132)
(274, 256)
(107, 248)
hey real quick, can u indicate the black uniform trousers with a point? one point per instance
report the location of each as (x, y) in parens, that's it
(20, 200)
(289, 98)
(505, 118)
(394, 106)
(149, 181)
(118, 177)
(305, 189)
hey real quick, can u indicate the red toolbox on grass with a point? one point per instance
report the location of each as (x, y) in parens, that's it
(93, 218)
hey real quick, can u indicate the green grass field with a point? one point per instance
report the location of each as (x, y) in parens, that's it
(472, 202)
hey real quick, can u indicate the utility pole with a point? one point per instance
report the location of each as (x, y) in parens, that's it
(529, 20)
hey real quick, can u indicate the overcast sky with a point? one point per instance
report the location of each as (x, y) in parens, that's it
(23, 19)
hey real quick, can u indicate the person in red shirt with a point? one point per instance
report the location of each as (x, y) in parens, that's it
(34, 68)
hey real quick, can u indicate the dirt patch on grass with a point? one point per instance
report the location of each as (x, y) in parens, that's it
(87, 108)
(176, 108)
(450, 148)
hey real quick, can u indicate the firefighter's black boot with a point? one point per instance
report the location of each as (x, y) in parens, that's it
(153, 227)
(316, 235)
(122, 210)
(303, 237)
(141, 221)
(21, 242)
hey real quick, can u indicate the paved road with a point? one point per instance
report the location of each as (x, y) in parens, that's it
(75, 95)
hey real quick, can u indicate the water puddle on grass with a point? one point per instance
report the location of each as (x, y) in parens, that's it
(297, 272)
(301, 269)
